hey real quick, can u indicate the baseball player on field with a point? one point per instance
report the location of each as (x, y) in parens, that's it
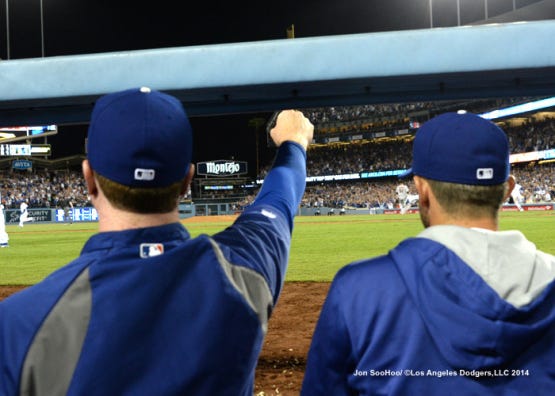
(517, 196)
(406, 200)
(24, 214)
(4, 238)
(460, 309)
(146, 309)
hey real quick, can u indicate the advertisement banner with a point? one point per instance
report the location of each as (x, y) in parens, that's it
(38, 215)
(528, 207)
(22, 164)
(76, 215)
(43, 215)
(222, 168)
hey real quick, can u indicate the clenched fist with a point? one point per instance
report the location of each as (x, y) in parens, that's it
(292, 125)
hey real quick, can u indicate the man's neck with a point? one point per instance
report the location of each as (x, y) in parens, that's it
(484, 223)
(113, 219)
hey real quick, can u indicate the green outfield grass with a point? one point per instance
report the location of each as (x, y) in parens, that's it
(321, 245)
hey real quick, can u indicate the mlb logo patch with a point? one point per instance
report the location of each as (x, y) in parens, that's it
(151, 250)
(144, 174)
(484, 173)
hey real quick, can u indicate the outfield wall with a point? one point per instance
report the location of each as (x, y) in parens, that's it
(327, 211)
(47, 215)
(89, 214)
(78, 214)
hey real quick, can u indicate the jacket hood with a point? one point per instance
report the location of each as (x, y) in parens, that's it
(484, 296)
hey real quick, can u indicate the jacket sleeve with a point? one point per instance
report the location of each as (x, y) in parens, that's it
(260, 238)
(330, 358)
(284, 185)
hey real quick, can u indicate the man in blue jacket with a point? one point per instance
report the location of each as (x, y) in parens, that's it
(462, 309)
(145, 309)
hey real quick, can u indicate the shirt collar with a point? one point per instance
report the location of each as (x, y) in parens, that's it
(107, 240)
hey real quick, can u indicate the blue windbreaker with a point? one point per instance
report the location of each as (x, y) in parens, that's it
(154, 312)
(473, 314)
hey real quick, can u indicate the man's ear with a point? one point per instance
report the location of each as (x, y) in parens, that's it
(188, 180)
(423, 189)
(88, 174)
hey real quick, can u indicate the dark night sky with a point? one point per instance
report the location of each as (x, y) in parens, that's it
(78, 27)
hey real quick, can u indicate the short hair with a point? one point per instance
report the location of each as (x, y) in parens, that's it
(140, 199)
(469, 201)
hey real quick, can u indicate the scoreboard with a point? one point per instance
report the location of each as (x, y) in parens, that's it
(15, 141)
(24, 150)
(12, 134)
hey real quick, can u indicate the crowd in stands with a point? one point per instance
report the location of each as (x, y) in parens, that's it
(333, 120)
(338, 159)
(376, 194)
(345, 114)
(385, 117)
(390, 154)
(325, 115)
(43, 189)
(538, 183)
(532, 136)
(50, 189)
(359, 157)
(56, 189)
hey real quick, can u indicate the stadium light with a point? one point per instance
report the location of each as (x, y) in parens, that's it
(431, 14)
(519, 109)
(8, 52)
(430, 7)
(42, 28)
(7, 30)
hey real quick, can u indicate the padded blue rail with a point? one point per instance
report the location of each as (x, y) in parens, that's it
(514, 59)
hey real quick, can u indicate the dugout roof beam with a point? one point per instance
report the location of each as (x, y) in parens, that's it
(497, 60)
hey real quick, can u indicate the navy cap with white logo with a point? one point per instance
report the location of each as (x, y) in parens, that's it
(460, 148)
(140, 138)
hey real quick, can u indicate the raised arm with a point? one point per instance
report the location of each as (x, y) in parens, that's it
(260, 238)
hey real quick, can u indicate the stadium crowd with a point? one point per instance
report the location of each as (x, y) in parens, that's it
(389, 153)
(333, 114)
(532, 136)
(390, 116)
(50, 189)
(55, 189)
(359, 157)
(377, 194)
(538, 185)
(43, 189)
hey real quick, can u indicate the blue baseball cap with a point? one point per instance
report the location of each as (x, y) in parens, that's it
(460, 148)
(140, 138)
